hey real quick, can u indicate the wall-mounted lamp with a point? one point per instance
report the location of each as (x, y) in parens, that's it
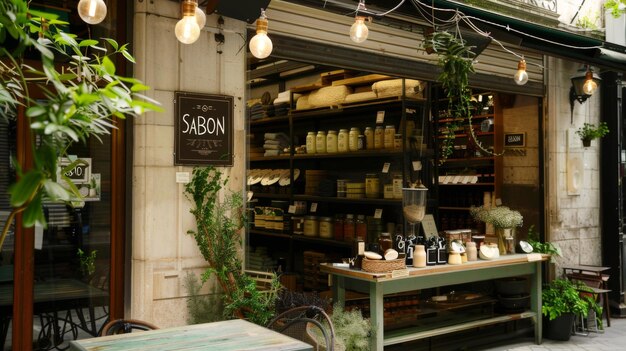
(187, 30)
(260, 44)
(584, 84)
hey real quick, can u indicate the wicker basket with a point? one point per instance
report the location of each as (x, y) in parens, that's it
(382, 266)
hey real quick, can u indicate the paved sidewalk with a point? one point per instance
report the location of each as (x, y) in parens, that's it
(613, 339)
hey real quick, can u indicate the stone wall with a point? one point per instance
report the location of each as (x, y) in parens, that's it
(162, 252)
(572, 219)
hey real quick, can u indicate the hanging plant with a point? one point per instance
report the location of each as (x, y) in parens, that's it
(456, 60)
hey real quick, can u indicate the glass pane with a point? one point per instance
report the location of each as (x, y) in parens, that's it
(7, 176)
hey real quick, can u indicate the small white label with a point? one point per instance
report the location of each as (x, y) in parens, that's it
(429, 226)
(380, 117)
(39, 236)
(534, 257)
(398, 273)
(386, 167)
(313, 207)
(292, 209)
(250, 195)
(498, 202)
(183, 177)
(378, 213)
(417, 165)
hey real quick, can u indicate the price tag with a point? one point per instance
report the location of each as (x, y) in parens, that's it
(380, 117)
(292, 209)
(378, 213)
(429, 226)
(417, 165)
(313, 207)
(250, 195)
(386, 167)
(534, 257)
(400, 273)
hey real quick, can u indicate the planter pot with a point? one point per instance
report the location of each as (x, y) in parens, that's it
(512, 286)
(586, 142)
(559, 328)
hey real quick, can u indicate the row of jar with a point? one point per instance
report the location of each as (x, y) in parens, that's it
(353, 140)
(340, 227)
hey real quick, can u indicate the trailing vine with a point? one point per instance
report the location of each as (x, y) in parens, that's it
(456, 60)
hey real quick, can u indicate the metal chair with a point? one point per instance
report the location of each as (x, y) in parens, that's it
(123, 326)
(309, 324)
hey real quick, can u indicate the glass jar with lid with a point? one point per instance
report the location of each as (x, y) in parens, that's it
(360, 227)
(338, 227)
(348, 228)
(311, 226)
(331, 142)
(342, 140)
(310, 143)
(397, 142)
(326, 227)
(396, 182)
(369, 138)
(389, 136)
(372, 186)
(353, 139)
(320, 142)
(379, 133)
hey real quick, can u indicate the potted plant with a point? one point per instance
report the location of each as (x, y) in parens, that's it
(562, 300)
(504, 221)
(589, 131)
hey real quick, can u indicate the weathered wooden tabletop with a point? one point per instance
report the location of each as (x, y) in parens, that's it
(234, 334)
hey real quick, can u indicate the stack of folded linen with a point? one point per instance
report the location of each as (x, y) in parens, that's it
(282, 102)
(275, 143)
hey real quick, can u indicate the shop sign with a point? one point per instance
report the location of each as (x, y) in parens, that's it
(203, 127)
(514, 139)
(80, 172)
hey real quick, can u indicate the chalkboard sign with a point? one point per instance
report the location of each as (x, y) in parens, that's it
(203, 127)
(514, 139)
(80, 173)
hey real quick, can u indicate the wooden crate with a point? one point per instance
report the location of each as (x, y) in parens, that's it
(313, 278)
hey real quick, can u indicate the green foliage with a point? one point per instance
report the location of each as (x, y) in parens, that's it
(218, 235)
(588, 22)
(564, 296)
(589, 131)
(351, 329)
(617, 7)
(87, 262)
(201, 308)
(457, 62)
(81, 90)
(539, 247)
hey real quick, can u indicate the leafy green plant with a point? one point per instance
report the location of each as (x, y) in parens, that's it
(219, 221)
(499, 216)
(589, 131)
(539, 247)
(87, 262)
(201, 308)
(82, 93)
(351, 329)
(564, 296)
(588, 22)
(617, 7)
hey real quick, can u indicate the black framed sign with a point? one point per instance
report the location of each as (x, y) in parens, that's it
(203, 127)
(515, 139)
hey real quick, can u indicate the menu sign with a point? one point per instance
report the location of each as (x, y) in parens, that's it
(203, 127)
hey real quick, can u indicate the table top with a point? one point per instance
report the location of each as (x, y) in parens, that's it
(437, 269)
(236, 334)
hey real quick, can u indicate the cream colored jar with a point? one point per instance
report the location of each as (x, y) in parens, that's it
(342, 140)
(331, 142)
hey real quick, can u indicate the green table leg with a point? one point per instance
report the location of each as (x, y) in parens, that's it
(376, 316)
(339, 290)
(535, 300)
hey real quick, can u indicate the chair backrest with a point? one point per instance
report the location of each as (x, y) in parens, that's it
(123, 326)
(309, 324)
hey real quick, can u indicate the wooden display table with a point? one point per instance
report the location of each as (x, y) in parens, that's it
(380, 284)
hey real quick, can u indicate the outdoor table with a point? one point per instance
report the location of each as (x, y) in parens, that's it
(380, 284)
(236, 334)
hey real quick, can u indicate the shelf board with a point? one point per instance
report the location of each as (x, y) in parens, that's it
(268, 233)
(347, 200)
(467, 184)
(269, 120)
(416, 333)
(470, 159)
(350, 107)
(272, 196)
(360, 153)
(269, 158)
(330, 242)
(446, 120)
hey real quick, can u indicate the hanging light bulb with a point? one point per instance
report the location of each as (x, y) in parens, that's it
(187, 30)
(260, 44)
(521, 77)
(92, 11)
(590, 85)
(359, 31)
(200, 17)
